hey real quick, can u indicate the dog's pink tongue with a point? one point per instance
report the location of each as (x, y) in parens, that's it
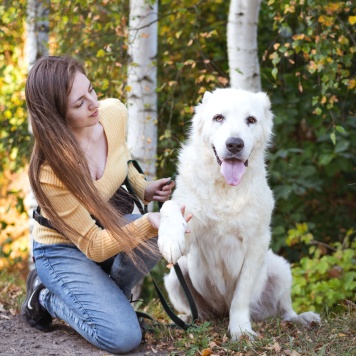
(232, 170)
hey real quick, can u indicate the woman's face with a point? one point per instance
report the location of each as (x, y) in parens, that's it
(82, 104)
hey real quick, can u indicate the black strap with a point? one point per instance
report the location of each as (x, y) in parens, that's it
(141, 207)
(36, 214)
(178, 321)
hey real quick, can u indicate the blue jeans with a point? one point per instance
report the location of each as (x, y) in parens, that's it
(91, 300)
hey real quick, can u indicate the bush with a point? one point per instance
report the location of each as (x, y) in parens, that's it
(326, 277)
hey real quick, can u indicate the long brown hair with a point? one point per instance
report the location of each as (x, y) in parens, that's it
(47, 89)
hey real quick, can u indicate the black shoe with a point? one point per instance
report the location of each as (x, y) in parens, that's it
(32, 311)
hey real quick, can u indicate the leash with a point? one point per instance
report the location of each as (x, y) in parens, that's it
(141, 207)
(160, 204)
(193, 308)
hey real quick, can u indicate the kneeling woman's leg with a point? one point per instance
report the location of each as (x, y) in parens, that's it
(79, 292)
(126, 272)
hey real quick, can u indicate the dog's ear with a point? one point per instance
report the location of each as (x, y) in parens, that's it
(264, 100)
(206, 96)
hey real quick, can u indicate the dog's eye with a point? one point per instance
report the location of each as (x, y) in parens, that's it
(251, 120)
(218, 118)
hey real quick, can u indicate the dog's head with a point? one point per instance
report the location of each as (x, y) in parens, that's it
(236, 125)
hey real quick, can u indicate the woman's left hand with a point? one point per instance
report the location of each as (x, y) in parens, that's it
(159, 190)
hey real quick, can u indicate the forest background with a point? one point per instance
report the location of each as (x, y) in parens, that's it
(306, 51)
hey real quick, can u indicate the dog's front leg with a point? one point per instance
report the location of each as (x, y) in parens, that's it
(240, 322)
(171, 232)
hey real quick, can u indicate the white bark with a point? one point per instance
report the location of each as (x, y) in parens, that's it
(242, 44)
(142, 83)
(37, 26)
(31, 40)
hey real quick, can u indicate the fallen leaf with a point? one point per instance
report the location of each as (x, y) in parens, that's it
(206, 352)
(277, 347)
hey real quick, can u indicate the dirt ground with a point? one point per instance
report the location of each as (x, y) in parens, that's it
(16, 338)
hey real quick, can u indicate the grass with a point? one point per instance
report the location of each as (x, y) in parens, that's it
(12, 292)
(335, 336)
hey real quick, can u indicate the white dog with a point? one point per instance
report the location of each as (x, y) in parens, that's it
(222, 182)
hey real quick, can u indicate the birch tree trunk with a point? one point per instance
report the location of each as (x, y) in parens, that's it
(37, 27)
(242, 44)
(141, 90)
(142, 83)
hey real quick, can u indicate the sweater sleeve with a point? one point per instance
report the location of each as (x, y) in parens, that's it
(96, 243)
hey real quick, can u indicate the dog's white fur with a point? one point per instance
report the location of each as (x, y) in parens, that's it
(226, 257)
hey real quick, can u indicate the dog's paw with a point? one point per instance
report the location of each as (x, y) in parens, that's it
(237, 335)
(188, 319)
(171, 232)
(238, 330)
(306, 319)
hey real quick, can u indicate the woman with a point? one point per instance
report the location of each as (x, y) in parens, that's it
(88, 256)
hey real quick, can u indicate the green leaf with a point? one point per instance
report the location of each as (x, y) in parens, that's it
(274, 72)
(326, 158)
(100, 53)
(179, 65)
(333, 137)
(340, 129)
(318, 111)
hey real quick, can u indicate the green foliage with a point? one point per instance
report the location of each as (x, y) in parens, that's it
(309, 70)
(192, 59)
(326, 275)
(196, 339)
(95, 32)
(14, 137)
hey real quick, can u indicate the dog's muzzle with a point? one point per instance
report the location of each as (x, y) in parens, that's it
(235, 145)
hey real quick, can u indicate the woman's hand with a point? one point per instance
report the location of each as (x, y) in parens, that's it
(187, 218)
(172, 231)
(159, 190)
(155, 219)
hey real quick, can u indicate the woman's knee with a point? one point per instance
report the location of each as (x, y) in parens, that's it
(122, 340)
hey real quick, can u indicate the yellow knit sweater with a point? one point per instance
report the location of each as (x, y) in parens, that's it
(96, 243)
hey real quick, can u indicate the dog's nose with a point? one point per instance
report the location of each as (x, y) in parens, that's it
(234, 144)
